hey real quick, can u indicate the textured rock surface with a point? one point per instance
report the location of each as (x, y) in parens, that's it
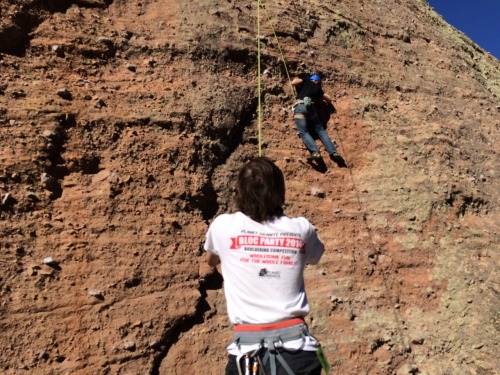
(123, 123)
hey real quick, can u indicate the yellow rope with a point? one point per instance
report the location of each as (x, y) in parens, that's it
(259, 109)
(259, 84)
(281, 51)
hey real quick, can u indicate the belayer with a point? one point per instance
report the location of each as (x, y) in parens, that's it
(306, 118)
(263, 253)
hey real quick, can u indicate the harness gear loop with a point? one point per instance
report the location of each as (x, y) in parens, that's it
(247, 365)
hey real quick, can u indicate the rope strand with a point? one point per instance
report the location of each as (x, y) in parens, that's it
(280, 50)
(259, 105)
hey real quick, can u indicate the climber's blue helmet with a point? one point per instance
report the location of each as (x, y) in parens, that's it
(316, 78)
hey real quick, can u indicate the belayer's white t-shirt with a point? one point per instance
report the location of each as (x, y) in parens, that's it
(262, 265)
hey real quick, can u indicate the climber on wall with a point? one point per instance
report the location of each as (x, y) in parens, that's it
(263, 254)
(306, 118)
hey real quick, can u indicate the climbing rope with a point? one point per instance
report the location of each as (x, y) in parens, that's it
(280, 49)
(374, 250)
(259, 91)
(259, 73)
(402, 337)
(397, 318)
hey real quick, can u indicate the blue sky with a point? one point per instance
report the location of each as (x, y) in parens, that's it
(478, 19)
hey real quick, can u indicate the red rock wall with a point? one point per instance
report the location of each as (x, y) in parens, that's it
(122, 124)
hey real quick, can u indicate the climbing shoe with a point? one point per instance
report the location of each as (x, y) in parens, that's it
(314, 156)
(338, 160)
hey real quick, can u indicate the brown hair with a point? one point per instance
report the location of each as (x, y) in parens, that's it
(260, 190)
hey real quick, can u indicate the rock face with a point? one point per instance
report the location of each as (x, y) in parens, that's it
(123, 124)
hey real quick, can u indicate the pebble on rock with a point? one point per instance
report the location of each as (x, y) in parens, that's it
(48, 134)
(58, 50)
(48, 181)
(49, 261)
(96, 293)
(65, 94)
(129, 345)
(317, 192)
(7, 199)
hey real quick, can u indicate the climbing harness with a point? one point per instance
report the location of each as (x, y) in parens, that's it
(307, 111)
(307, 101)
(266, 339)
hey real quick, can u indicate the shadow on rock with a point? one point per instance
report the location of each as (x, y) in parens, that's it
(339, 160)
(318, 164)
